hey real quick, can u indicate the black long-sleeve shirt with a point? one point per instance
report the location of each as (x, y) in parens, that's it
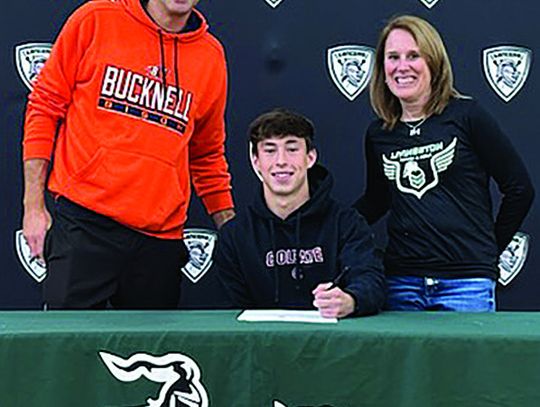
(436, 186)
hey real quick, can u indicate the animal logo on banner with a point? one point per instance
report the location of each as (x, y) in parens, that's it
(29, 59)
(273, 3)
(513, 258)
(506, 69)
(416, 170)
(200, 243)
(179, 376)
(350, 67)
(32, 265)
(429, 3)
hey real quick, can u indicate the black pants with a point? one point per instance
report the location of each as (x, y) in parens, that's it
(93, 262)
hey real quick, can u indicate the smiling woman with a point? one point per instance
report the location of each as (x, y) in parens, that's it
(407, 73)
(429, 160)
(412, 76)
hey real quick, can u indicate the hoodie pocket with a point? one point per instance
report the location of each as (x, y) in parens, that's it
(137, 190)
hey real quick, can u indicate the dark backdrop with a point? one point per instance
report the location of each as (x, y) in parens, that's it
(278, 57)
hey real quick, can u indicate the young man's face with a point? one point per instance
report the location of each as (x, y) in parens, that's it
(283, 164)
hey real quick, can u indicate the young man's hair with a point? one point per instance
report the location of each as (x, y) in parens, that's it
(279, 123)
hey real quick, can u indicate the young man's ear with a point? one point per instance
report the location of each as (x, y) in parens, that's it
(254, 161)
(312, 157)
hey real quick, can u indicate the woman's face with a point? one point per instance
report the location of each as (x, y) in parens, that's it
(406, 71)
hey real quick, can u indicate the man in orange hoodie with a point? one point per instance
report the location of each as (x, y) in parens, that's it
(130, 105)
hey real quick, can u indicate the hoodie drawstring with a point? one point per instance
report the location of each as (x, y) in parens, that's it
(162, 58)
(177, 82)
(274, 265)
(298, 273)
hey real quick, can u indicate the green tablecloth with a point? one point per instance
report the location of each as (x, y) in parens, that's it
(394, 359)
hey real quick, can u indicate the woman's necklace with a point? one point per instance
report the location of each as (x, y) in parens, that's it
(415, 128)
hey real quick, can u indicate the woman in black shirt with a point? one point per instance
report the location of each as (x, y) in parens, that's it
(430, 157)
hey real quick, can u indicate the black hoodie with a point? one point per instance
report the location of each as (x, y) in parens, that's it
(267, 262)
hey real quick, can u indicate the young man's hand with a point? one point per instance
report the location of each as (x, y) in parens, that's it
(333, 302)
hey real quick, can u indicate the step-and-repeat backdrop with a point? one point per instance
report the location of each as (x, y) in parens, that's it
(315, 57)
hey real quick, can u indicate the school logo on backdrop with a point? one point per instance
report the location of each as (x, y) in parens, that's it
(429, 3)
(513, 258)
(200, 243)
(273, 3)
(33, 266)
(350, 67)
(416, 170)
(29, 59)
(506, 69)
(179, 376)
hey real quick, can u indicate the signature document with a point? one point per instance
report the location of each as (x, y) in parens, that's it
(281, 315)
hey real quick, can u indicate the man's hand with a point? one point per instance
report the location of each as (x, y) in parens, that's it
(222, 217)
(36, 223)
(333, 302)
(36, 218)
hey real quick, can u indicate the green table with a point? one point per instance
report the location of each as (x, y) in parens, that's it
(113, 358)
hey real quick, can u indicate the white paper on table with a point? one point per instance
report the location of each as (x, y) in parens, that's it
(281, 315)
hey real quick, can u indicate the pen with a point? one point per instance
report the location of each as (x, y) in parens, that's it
(336, 281)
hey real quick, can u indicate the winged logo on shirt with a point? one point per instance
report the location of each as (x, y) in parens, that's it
(416, 170)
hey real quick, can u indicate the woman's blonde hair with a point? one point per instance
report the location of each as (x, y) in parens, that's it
(432, 49)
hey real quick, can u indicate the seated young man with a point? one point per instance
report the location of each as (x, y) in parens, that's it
(295, 247)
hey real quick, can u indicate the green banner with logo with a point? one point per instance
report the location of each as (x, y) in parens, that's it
(201, 359)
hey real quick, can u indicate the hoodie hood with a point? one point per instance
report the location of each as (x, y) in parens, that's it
(320, 186)
(137, 11)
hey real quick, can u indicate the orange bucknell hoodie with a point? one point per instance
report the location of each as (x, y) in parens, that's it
(140, 114)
